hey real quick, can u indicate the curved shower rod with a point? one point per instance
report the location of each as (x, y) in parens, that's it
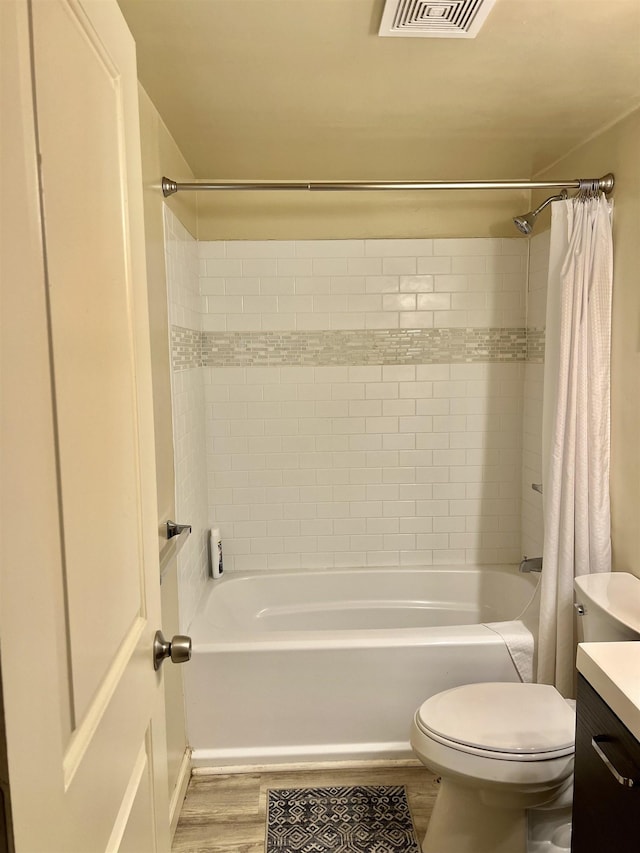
(604, 184)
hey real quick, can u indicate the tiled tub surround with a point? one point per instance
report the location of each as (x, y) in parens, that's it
(189, 411)
(347, 466)
(368, 410)
(532, 523)
(362, 284)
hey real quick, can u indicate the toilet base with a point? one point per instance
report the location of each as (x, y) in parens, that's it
(549, 831)
(462, 823)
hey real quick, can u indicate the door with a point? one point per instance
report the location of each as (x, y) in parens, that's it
(80, 580)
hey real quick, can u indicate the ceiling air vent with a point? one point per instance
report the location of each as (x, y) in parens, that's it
(458, 19)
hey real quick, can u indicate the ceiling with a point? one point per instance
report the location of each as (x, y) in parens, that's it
(305, 89)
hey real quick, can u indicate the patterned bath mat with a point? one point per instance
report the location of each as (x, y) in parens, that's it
(360, 819)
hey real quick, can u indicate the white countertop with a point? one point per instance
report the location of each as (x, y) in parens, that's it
(613, 670)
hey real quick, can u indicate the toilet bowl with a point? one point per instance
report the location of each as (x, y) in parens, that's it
(502, 749)
(505, 751)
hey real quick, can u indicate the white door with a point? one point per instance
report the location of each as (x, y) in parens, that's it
(80, 582)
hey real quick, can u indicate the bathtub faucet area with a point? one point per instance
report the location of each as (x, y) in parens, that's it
(531, 564)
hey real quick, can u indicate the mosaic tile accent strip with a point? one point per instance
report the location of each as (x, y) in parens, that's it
(535, 345)
(371, 347)
(361, 819)
(190, 348)
(186, 348)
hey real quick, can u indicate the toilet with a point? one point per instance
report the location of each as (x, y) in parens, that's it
(504, 751)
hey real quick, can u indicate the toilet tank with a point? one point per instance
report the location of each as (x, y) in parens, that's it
(609, 607)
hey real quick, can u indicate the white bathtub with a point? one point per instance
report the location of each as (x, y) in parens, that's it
(292, 667)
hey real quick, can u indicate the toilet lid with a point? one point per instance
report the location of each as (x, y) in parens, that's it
(510, 719)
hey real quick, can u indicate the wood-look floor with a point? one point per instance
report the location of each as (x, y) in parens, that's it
(227, 814)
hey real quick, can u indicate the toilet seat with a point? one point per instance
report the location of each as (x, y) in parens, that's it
(509, 722)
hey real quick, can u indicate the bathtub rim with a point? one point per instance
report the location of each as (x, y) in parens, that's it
(238, 640)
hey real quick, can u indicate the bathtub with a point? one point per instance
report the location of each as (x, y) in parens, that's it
(313, 666)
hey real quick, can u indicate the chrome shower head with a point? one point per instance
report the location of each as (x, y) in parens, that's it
(526, 221)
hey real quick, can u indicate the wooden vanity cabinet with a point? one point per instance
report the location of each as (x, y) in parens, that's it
(606, 811)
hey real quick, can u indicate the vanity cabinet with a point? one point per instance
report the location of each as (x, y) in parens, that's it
(606, 809)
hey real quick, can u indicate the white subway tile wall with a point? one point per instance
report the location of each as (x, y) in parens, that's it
(363, 284)
(346, 466)
(364, 465)
(532, 520)
(189, 418)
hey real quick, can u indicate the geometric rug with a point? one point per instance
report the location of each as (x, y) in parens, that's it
(358, 819)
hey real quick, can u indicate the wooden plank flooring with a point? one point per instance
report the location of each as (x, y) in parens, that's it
(227, 814)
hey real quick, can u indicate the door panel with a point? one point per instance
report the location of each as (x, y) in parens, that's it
(98, 753)
(81, 128)
(133, 830)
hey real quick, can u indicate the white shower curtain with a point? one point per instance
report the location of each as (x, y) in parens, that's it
(575, 423)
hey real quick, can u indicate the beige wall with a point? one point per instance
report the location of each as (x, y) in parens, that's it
(616, 150)
(161, 156)
(350, 215)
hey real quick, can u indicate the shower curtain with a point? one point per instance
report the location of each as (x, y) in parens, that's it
(575, 423)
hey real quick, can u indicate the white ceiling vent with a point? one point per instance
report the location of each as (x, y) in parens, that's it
(434, 18)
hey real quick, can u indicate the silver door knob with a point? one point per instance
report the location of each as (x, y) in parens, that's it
(178, 649)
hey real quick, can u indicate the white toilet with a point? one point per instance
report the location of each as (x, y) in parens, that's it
(505, 751)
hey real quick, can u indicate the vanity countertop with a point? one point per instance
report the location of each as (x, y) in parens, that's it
(613, 670)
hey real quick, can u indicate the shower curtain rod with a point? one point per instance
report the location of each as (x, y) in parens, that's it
(604, 184)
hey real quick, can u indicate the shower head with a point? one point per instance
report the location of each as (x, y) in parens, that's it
(526, 221)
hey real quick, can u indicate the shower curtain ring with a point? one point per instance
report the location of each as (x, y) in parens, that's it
(588, 188)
